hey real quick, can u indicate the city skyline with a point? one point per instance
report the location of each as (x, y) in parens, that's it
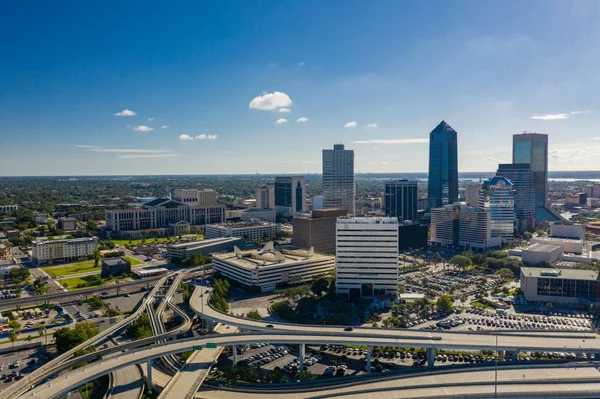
(225, 95)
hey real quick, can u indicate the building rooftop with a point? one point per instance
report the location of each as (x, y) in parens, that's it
(243, 224)
(72, 240)
(256, 210)
(537, 247)
(267, 257)
(567, 274)
(113, 261)
(367, 220)
(204, 243)
(559, 239)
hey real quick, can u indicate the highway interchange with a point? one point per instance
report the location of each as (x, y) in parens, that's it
(138, 353)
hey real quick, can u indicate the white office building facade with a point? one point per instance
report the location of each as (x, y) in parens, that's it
(250, 231)
(59, 251)
(498, 197)
(366, 256)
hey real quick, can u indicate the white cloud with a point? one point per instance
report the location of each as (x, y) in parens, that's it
(125, 112)
(371, 125)
(281, 121)
(206, 137)
(271, 101)
(164, 127)
(303, 119)
(150, 119)
(550, 117)
(142, 128)
(581, 112)
(184, 137)
(285, 110)
(399, 141)
(301, 63)
(144, 156)
(88, 147)
(350, 124)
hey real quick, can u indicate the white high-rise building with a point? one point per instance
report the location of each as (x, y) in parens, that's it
(265, 196)
(339, 189)
(498, 197)
(366, 256)
(290, 195)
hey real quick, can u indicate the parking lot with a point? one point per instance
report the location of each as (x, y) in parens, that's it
(449, 282)
(15, 365)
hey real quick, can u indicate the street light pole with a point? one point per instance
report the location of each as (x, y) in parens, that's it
(496, 369)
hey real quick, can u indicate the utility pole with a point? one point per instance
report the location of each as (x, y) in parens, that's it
(496, 369)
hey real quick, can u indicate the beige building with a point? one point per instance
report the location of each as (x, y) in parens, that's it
(317, 230)
(267, 268)
(250, 231)
(264, 214)
(567, 286)
(265, 196)
(193, 197)
(55, 251)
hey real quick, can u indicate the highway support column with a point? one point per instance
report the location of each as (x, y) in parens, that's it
(234, 351)
(369, 349)
(430, 357)
(302, 348)
(149, 375)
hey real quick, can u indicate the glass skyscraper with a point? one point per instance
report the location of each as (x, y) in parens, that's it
(498, 197)
(400, 199)
(339, 190)
(521, 176)
(443, 166)
(290, 195)
(532, 148)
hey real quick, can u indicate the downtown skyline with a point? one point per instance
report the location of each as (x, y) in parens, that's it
(229, 95)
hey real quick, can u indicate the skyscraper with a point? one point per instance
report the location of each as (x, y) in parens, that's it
(265, 196)
(290, 195)
(338, 178)
(400, 199)
(497, 196)
(521, 176)
(532, 148)
(443, 166)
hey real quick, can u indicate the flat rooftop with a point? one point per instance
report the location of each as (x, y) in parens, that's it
(257, 258)
(566, 274)
(559, 239)
(242, 224)
(537, 247)
(204, 243)
(367, 220)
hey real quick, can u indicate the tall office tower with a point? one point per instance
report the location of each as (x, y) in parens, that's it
(400, 199)
(366, 263)
(472, 194)
(339, 190)
(443, 166)
(265, 196)
(498, 197)
(521, 176)
(290, 195)
(532, 148)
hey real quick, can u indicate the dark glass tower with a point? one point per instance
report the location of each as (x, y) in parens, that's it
(443, 166)
(400, 199)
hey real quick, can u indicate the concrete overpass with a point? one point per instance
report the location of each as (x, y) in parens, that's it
(75, 378)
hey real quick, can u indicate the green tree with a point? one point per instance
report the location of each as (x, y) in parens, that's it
(66, 338)
(97, 258)
(437, 258)
(12, 336)
(461, 262)
(253, 314)
(444, 304)
(319, 286)
(13, 324)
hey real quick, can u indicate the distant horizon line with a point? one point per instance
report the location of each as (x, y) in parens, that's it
(274, 174)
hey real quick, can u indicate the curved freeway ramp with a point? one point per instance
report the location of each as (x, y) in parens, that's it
(560, 382)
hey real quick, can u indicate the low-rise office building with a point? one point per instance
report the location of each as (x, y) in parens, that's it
(250, 231)
(317, 230)
(539, 253)
(113, 267)
(268, 268)
(187, 250)
(567, 286)
(67, 224)
(264, 214)
(8, 208)
(56, 251)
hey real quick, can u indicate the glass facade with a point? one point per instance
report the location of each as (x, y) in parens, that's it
(443, 166)
(400, 199)
(559, 287)
(339, 189)
(532, 149)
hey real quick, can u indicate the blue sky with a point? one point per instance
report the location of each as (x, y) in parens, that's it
(388, 70)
